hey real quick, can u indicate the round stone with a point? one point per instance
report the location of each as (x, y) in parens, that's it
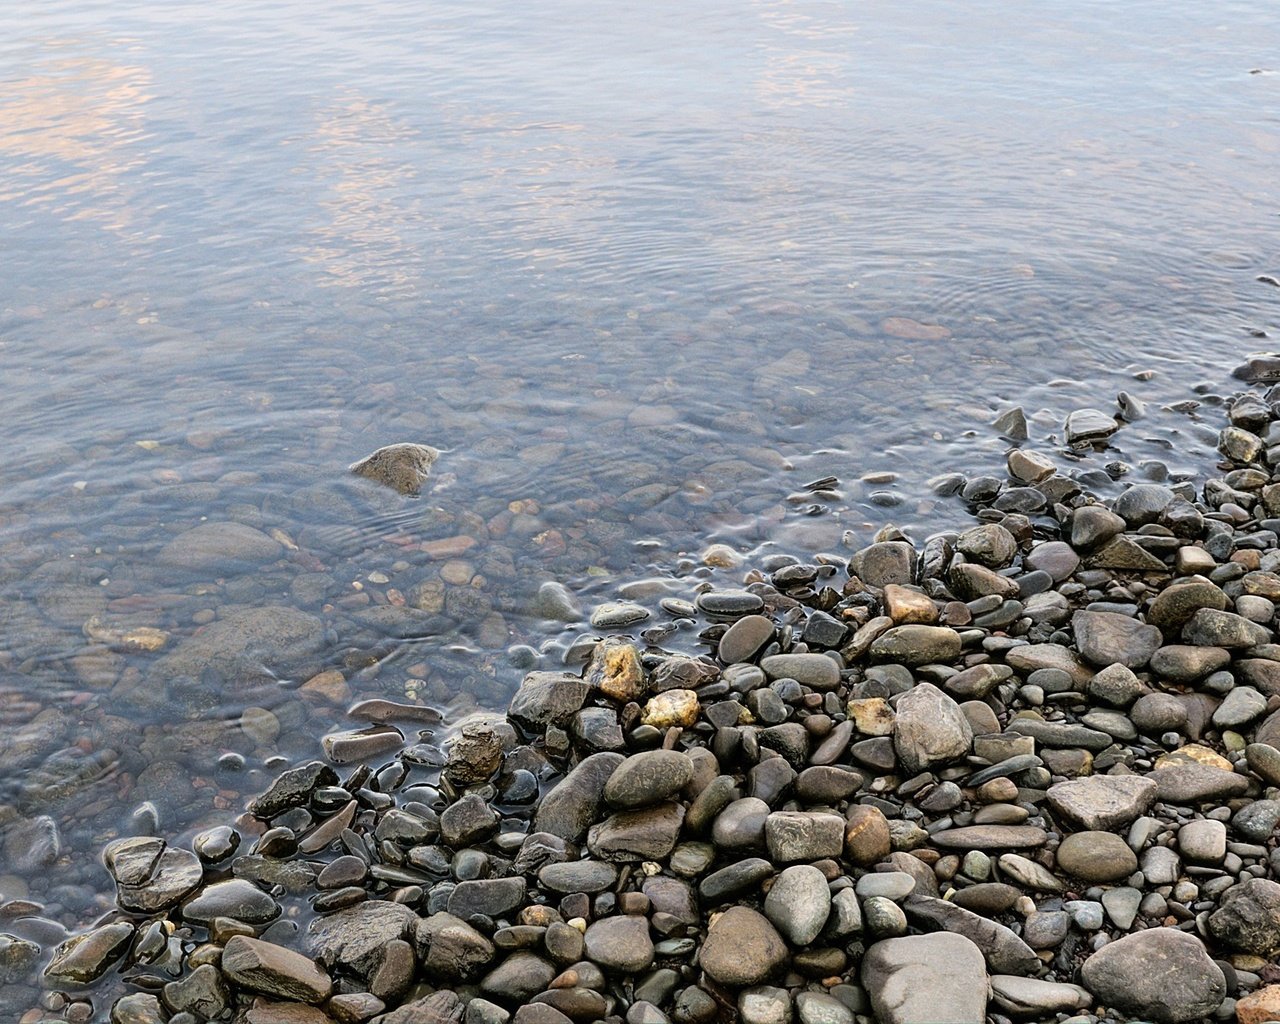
(1097, 857)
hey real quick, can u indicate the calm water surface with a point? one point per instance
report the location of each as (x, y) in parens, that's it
(642, 271)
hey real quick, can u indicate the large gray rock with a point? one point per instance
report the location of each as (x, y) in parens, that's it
(573, 806)
(798, 904)
(1211, 628)
(620, 943)
(891, 561)
(355, 939)
(1248, 918)
(742, 948)
(274, 970)
(547, 698)
(247, 644)
(403, 467)
(648, 778)
(1102, 803)
(451, 950)
(225, 547)
(1106, 638)
(931, 729)
(926, 979)
(1160, 974)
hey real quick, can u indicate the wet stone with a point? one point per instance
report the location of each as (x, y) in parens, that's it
(729, 603)
(274, 970)
(745, 638)
(236, 899)
(403, 467)
(86, 957)
(618, 615)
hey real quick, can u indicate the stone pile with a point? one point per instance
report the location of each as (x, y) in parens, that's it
(1029, 771)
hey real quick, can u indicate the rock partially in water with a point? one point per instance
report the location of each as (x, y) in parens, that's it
(404, 467)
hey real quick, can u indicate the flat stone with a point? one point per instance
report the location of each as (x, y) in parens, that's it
(990, 837)
(491, 897)
(86, 957)
(1106, 638)
(274, 970)
(1031, 997)
(1161, 974)
(1102, 803)
(1196, 783)
(744, 639)
(1211, 628)
(813, 670)
(1030, 657)
(1059, 735)
(589, 876)
(917, 645)
(1123, 554)
(1182, 663)
(618, 615)
(227, 547)
(926, 978)
(1088, 426)
(234, 898)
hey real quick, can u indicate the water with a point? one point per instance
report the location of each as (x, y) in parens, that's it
(642, 273)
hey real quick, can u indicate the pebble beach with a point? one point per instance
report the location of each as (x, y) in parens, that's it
(1028, 770)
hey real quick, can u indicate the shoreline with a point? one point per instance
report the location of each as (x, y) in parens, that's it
(1014, 765)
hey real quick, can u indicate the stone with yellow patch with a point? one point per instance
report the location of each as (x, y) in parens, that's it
(615, 670)
(872, 716)
(672, 708)
(1194, 753)
(904, 605)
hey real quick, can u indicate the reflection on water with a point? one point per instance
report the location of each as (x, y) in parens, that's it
(641, 274)
(363, 243)
(72, 136)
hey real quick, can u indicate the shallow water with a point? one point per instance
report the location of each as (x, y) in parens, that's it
(642, 273)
